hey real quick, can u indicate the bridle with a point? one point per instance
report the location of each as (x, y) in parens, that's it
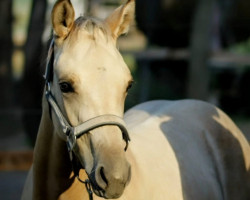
(72, 133)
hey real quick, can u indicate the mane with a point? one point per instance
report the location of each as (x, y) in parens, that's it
(92, 26)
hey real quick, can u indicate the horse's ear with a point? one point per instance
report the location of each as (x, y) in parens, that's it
(63, 16)
(119, 21)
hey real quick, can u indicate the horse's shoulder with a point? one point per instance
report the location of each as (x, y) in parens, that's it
(199, 133)
(193, 122)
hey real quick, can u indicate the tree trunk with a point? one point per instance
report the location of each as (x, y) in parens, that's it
(200, 48)
(33, 81)
(5, 53)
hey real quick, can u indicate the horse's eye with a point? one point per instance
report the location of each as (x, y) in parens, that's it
(66, 87)
(130, 84)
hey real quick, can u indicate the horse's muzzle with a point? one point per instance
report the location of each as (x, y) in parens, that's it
(110, 184)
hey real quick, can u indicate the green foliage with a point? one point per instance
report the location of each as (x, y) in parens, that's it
(241, 48)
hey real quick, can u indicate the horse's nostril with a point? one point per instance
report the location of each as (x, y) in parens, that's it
(103, 175)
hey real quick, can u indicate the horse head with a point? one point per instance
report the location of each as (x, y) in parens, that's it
(90, 79)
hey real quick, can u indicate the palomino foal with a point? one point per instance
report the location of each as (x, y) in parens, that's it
(89, 80)
(178, 150)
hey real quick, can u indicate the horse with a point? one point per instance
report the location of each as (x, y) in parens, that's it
(87, 148)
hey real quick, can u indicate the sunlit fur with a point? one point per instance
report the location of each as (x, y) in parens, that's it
(179, 149)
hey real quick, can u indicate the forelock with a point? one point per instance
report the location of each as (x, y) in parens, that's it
(92, 26)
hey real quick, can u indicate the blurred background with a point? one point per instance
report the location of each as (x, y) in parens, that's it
(176, 49)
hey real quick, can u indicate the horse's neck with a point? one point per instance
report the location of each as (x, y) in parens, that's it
(52, 167)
